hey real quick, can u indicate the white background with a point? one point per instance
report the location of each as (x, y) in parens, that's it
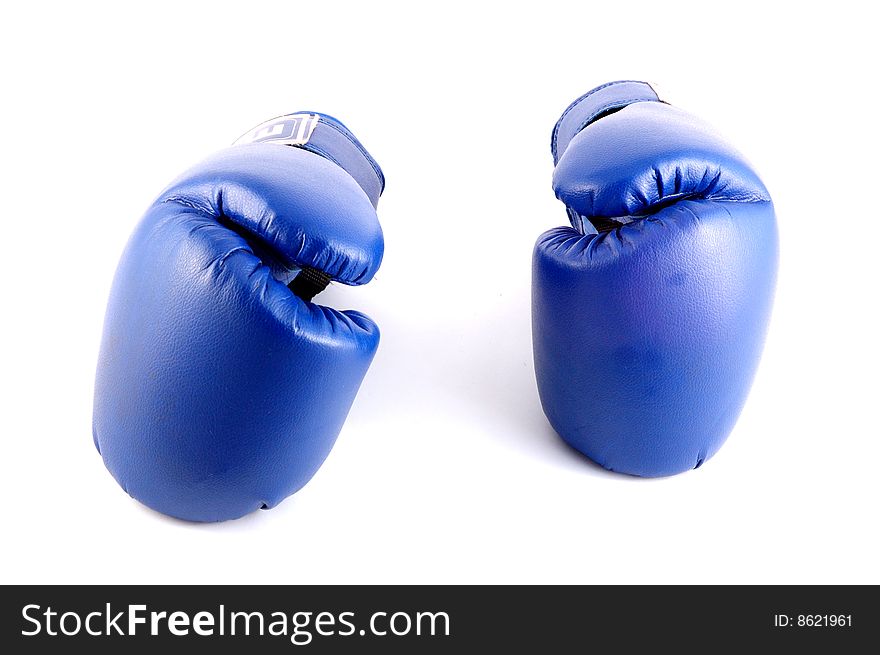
(446, 470)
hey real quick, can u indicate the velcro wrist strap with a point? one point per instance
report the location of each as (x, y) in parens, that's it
(593, 105)
(324, 136)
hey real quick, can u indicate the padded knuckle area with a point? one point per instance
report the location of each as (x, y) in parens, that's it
(647, 156)
(292, 204)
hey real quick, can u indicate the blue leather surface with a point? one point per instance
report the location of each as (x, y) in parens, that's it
(647, 336)
(593, 105)
(219, 391)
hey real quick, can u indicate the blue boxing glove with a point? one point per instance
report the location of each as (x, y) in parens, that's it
(221, 387)
(649, 314)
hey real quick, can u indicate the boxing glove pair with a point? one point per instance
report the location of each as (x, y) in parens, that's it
(222, 386)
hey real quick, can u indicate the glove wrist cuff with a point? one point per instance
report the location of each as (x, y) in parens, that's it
(592, 105)
(325, 136)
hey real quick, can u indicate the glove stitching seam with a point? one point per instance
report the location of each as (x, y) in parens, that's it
(186, 202)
